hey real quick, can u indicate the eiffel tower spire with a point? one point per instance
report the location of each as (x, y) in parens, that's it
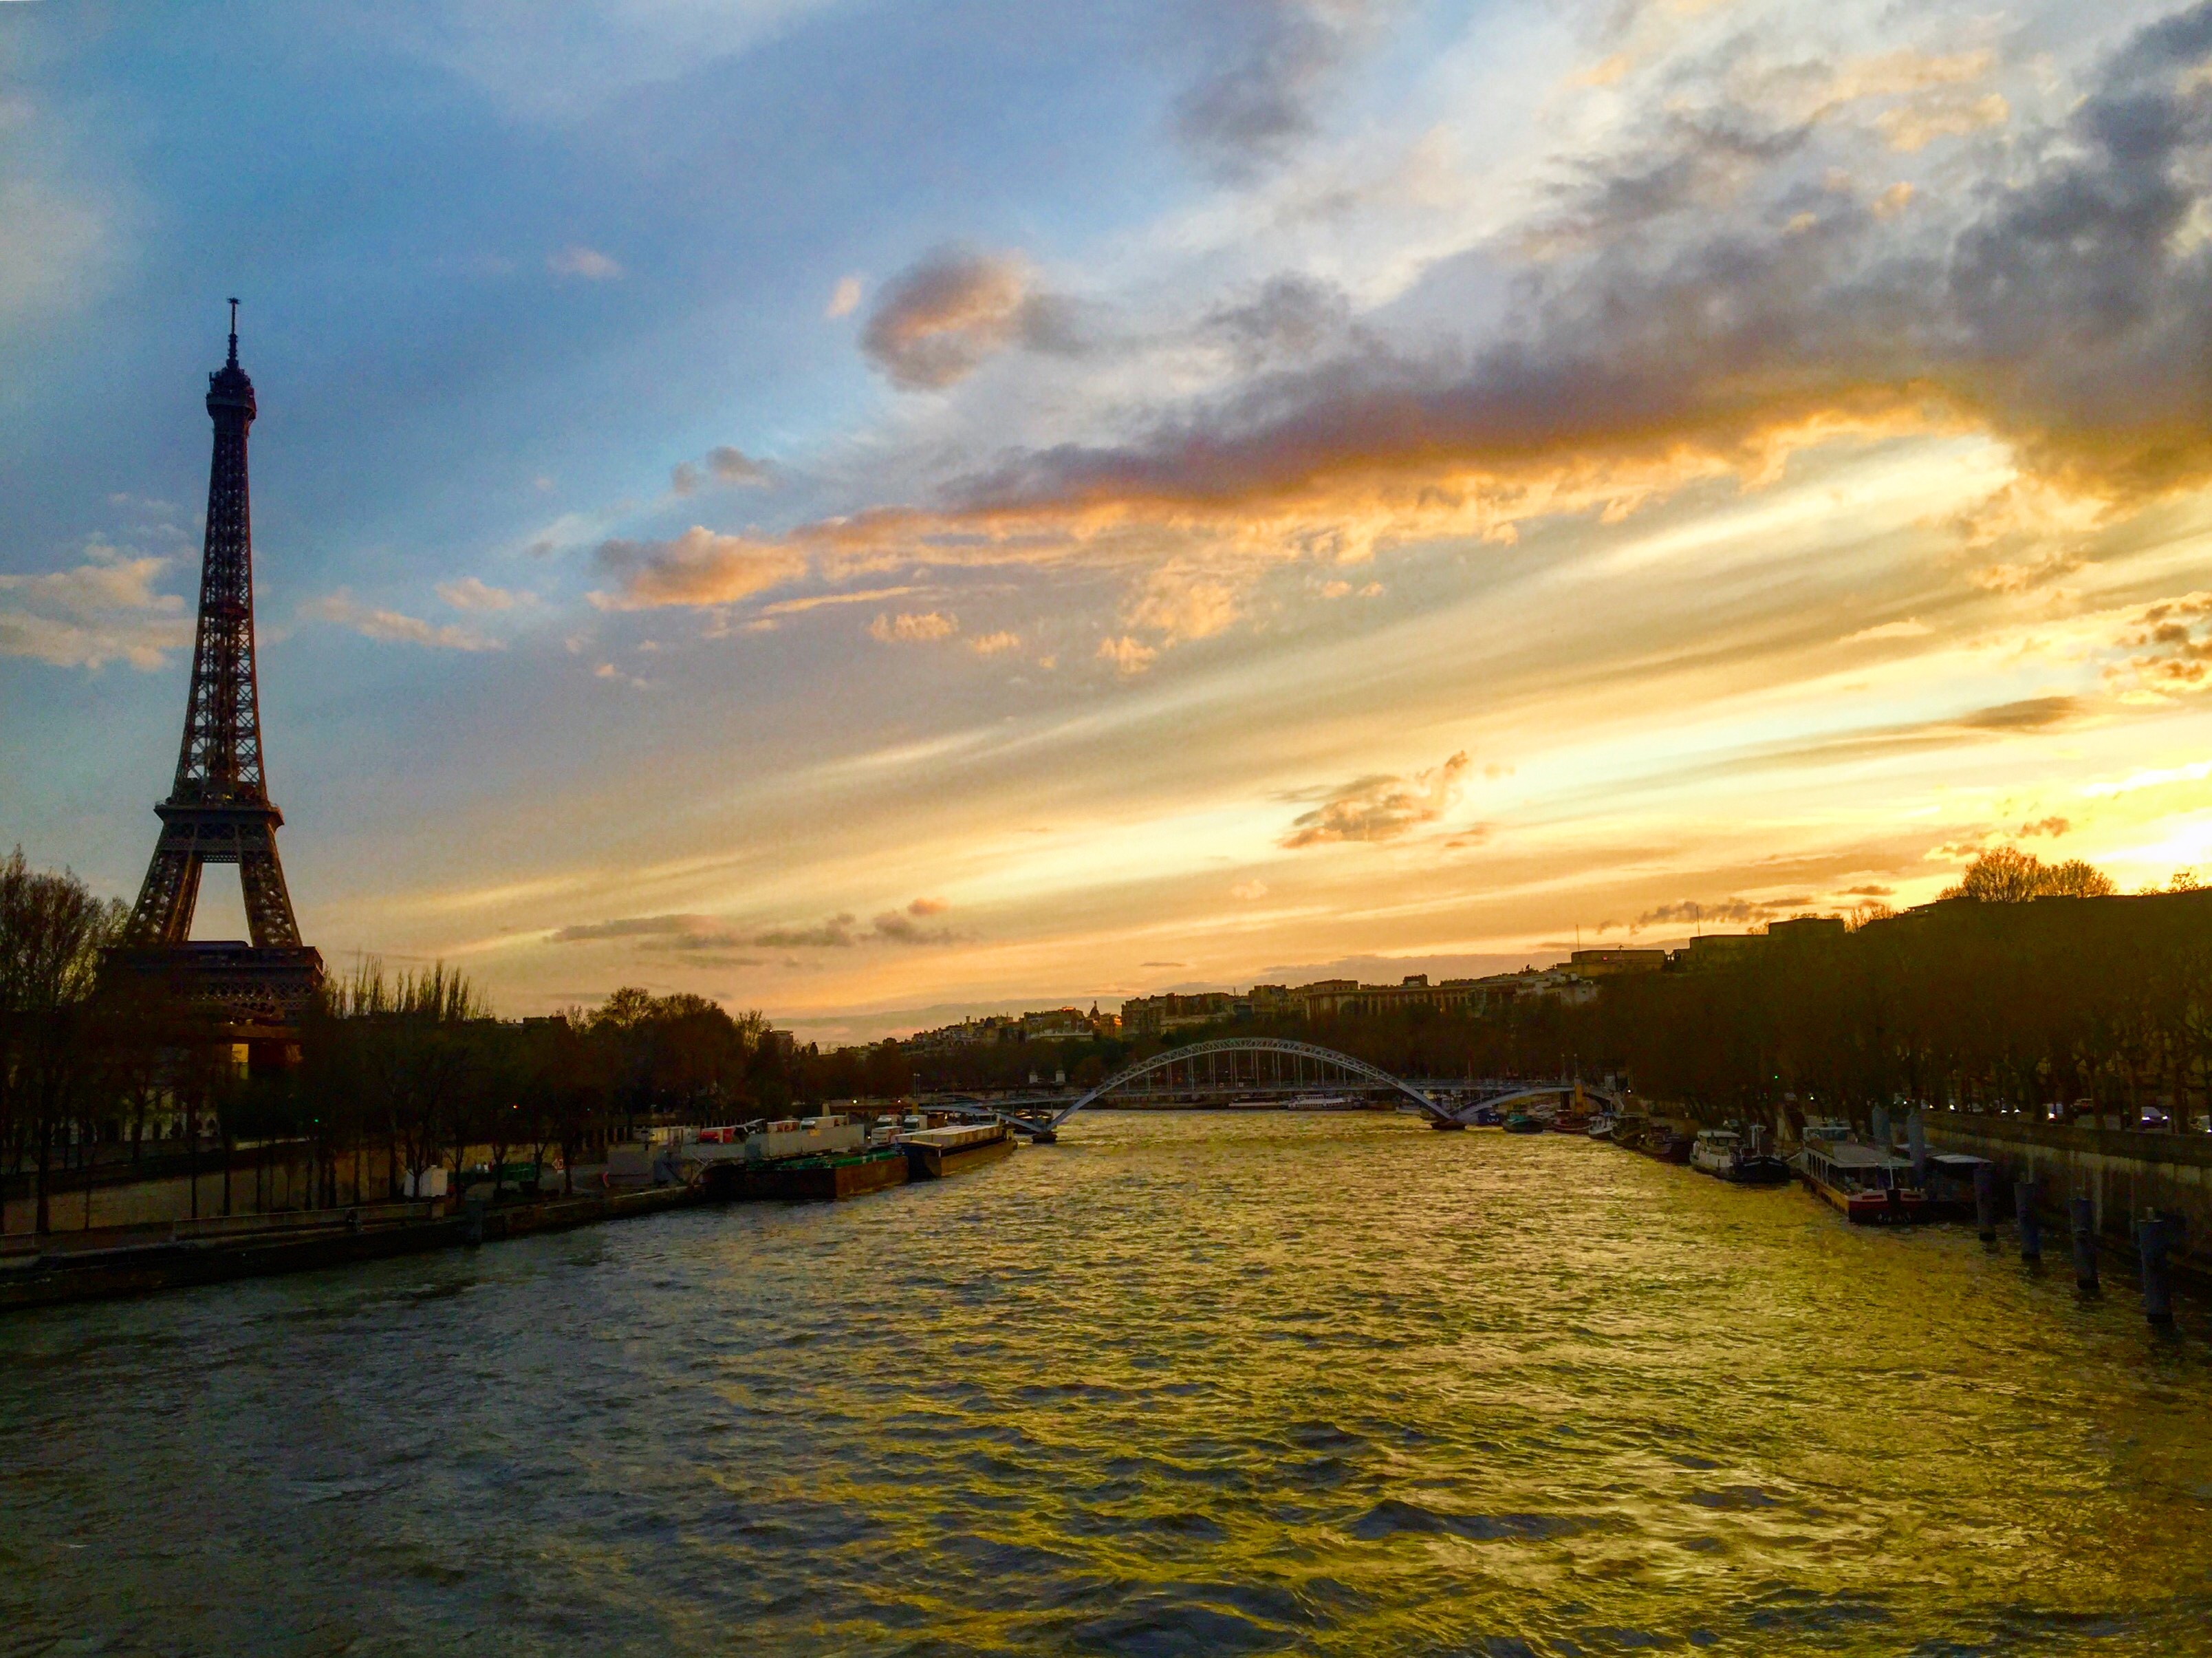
(218, 810)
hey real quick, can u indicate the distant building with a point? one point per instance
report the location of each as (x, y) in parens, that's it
(1709, 950)
(969, 1033)
(1329, 997)
(1056, 1024)
(1614, 961)
(1533, 984)
(1154, 1015)
(1806, 930)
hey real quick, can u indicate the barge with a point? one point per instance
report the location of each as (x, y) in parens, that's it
(822, 1176)
(933, 1153)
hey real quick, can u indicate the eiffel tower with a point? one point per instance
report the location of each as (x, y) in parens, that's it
(219, 810)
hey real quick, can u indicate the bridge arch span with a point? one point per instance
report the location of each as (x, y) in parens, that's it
(1307, 1054)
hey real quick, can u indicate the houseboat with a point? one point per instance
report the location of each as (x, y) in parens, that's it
(1864, 1183)
(1726, 1153)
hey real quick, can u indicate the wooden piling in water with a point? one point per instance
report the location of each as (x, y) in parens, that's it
(1985, 1201)
(2151, 1240)
(2030, 1224)
(2085, 1245)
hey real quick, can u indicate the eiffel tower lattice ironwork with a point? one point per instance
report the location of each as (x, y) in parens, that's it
(219, 810)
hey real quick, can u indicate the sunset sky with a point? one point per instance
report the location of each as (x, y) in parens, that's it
(880, 511)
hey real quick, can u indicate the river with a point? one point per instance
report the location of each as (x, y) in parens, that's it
(1201, 1383)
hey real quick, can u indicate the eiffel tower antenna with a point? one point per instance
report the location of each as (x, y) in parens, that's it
(218, 810)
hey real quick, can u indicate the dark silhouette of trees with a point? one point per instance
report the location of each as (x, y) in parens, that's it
(52, 932)
(2005, 875)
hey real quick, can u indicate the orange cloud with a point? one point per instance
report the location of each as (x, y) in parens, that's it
(1380, 807)
(912, 629)
(698, 567)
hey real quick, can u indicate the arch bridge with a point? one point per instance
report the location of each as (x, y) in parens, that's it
(1265, 1067)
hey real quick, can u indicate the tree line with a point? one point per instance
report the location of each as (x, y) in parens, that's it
(101, 1070)
(2028, 987)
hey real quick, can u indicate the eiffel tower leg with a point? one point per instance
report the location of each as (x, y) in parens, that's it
(261, 882)
(163, 914)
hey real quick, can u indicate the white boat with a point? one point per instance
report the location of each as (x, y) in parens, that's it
(1601, 1126)
(1715, 1152)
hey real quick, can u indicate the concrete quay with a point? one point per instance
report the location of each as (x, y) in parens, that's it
(2126, 1176)
(102, 1266)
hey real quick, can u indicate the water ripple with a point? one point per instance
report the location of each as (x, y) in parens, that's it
(1202, 1385)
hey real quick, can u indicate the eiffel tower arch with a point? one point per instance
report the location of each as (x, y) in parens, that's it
(218, 810)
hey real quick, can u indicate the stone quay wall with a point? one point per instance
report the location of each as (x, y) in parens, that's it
(2125, 1175)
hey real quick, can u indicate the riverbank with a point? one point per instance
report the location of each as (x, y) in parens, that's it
(103, 1266)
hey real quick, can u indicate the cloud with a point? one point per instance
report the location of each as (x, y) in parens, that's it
(1269, 67)
(723, 465)
(390, 627)
(1871, 890)
(1180, 604)
(927, 907)
(1129, 655)
(842, 931)
(471, 593)
(2172, 641)
(588, 262)
(698, 567)
(1380, 807)
(1727, 909)
(844, 298)
(2030, 714)
(700, 940)
(1914, 127)
(896, 929)
(71, 644)
(992, 645)
(912, 629)
(2053, 827)
(939, 320)
(727, 465)
(1247, 891)
(631, 927)
(1658, 333)
(1911, 628)
(103, 610)
(835, 933)
(1290, 318)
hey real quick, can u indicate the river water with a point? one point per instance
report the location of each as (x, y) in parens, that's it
(1201, 1383)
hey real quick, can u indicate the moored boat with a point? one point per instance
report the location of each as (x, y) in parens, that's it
(1729, 1155)
(1521, 1122)
(1866, 1184)
(1715, 1151)
(823, 1175)
(1601, 1126)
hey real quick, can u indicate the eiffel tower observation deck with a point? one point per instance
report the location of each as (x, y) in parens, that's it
(218, 810)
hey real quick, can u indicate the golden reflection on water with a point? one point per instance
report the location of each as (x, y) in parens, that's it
(1180, 1384)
